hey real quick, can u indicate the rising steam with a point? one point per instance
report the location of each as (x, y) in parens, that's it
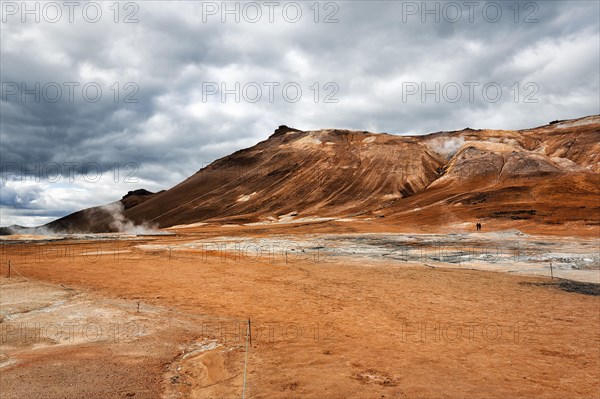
(121, 224)
(446, 146)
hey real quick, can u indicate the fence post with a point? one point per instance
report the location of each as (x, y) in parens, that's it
(246, 359)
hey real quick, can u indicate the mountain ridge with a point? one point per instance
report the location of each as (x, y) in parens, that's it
(334, 173)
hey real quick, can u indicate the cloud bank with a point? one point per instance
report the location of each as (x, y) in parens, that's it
(169, 86)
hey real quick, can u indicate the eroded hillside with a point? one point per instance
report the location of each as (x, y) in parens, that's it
(547, 175)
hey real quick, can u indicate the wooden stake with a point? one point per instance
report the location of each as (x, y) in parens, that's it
(138, 308)
(551, 272)
(246, 361)
(9, 269)
(249, 332)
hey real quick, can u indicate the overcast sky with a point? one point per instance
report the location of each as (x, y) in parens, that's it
(101, 99)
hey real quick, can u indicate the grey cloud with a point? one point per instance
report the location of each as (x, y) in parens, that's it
(171, 132)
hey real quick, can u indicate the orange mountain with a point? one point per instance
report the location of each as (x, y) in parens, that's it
(546, 178)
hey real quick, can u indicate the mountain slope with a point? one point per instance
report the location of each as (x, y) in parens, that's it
(324, 173)
(543, 176)
(548, 175)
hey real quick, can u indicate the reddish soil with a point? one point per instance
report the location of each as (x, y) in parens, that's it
(332, 328)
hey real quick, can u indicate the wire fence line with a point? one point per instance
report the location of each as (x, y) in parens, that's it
(135, 307)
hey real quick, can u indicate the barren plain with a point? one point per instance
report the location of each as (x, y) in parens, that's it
(333, 314)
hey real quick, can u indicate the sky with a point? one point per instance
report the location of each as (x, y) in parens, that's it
(100, 98)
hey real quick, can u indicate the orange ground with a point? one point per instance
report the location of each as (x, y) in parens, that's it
(332, 328)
